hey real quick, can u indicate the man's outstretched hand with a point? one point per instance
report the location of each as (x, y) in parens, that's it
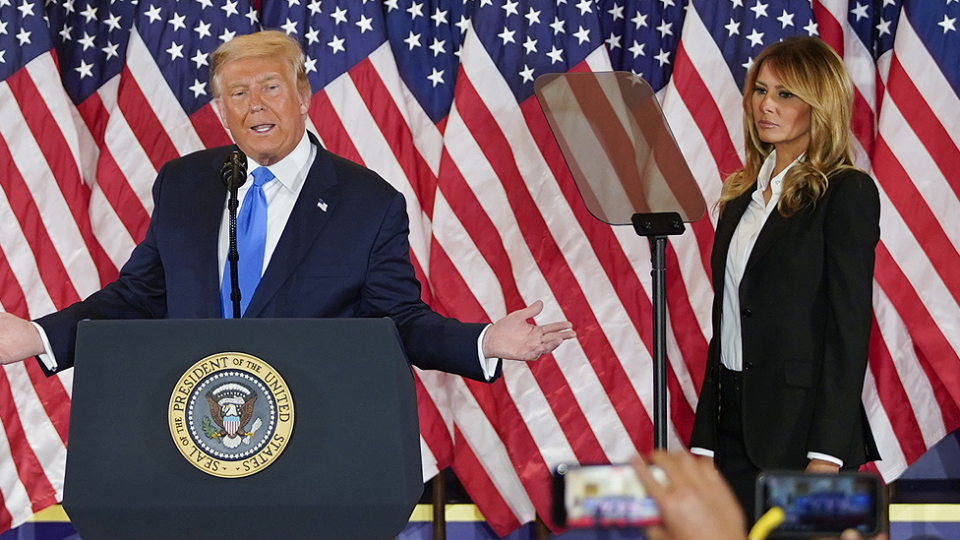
(18, 339)
(513, 338)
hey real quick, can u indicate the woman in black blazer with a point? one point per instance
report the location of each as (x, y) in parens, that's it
(792, 266)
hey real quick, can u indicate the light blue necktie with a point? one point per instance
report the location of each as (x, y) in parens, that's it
(251, 242)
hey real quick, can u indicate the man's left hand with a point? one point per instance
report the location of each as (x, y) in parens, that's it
(513, 338)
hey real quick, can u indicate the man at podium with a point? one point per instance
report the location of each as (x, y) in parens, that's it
(318, 237)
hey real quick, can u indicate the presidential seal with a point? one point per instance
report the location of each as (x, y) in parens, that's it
(231, 415)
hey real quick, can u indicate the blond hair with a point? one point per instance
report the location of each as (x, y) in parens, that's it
(268, 43)
(812, 71)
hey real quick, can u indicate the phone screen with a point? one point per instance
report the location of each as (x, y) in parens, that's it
(822, 504)
(602, 496)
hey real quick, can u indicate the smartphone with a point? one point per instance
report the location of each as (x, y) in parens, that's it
(609, 496)
(822, 504)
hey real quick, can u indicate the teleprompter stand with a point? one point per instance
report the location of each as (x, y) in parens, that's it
(351, 469)
(628, 169)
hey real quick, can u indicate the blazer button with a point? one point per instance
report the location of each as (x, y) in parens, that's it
(747, 366)
(746, 313)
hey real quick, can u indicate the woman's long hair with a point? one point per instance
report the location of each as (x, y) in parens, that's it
(812, 71)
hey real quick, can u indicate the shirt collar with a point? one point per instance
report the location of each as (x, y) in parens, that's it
(287, 171)
(776, 183)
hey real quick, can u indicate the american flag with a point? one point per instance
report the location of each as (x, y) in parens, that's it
(437, 96)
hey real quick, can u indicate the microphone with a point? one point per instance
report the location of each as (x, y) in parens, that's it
(234, 170)
(234, 174)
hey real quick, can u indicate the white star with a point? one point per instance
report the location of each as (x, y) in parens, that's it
(413, 40)
(199, 88)
(509, 8)
(665, 29)
(3, 29)
(90, 13)
(883, 27)
(290, 27)
(204, 4)
(84, 70)
(313, 36)
(339, 15)
(226, 36)
(200, 59)
(732, 27)
(786, 19)
(24, 36)
(894, 2)
(252, 16)
(87, 41)
(153, 13)
(310, 64)
(462, 24)
(486, 3)
(177, 21)
(530, 45)
(336, 45)
(391, 5)
(616, 12)
(365, 23)
(637, 49)
(438, 47)
(860, 11)
(291, 3)
(67, 5)
(436, 77)
(613, 42)
(759, 9)
(748, 64)
(507, 36)
(557, 26)
(584, 7)
(113, 21)
(667, 3)
(416, 10)
(663, 57)
(314, 7)
(64, 34)
(533, 17)
(756, 38)
(639, 20)
(230, 8)
(175, 51)
(439, 17)
(811, 28)
(2, 59)
(526, 75)
(737, 3)
(111, 50)
(555, 54)
(27, 9)
(948, 24)
(583, 34)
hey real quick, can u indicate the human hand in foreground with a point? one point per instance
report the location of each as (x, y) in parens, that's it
(513, 338)
(696, 503)
(18, 339)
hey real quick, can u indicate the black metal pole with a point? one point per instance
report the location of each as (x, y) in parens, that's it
(439, 503)
(658, 250)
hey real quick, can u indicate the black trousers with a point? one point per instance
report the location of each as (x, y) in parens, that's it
(730, 455)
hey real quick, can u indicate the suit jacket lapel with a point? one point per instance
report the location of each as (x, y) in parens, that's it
(724, 235)
(316, 203)
(210, 197)
(773, 229)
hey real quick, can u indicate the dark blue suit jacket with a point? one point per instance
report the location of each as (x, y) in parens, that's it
(349, 260)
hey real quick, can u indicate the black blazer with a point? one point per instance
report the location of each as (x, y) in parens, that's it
(806, 315)
(349, 259)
